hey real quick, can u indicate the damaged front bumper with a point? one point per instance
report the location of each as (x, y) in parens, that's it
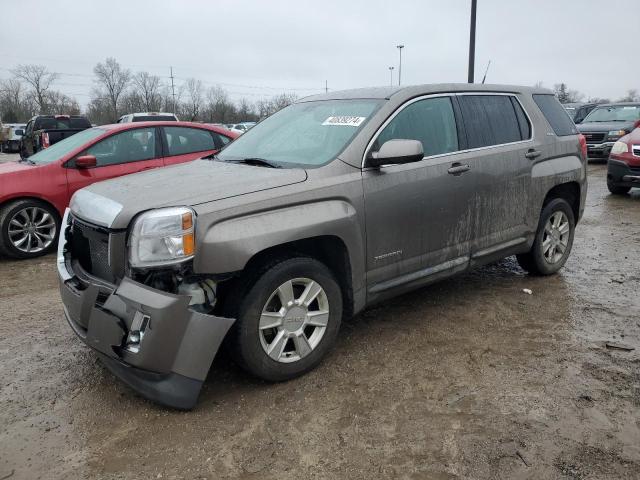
(150, 339)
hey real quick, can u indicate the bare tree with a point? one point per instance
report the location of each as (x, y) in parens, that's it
(39, 80)
(147, 87)
(598, 100)
(112, 80)
(631, 96)
(219, 107)
(193, 103)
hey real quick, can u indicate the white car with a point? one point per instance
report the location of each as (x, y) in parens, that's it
(148, 117)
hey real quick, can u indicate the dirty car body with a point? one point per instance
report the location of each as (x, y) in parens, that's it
(382, 191)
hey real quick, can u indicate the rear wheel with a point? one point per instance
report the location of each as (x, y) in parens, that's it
(28, 229)
(287, 319)
(617, 190)
(553, 241)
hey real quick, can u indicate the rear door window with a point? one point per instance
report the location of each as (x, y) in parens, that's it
(430, 121)
(61, 123)
(550, 107)
(183, 140)
(491, 120)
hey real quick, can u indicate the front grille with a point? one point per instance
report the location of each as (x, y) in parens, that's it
(636, 150)
(90, 247)
(595, 137)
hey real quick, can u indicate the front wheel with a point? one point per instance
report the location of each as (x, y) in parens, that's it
(553, 241)
(287, 320)
(28, 229)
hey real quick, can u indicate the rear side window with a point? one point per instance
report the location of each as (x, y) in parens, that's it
(550, 107)
(431, 121)
(61, 123)
(492, 120)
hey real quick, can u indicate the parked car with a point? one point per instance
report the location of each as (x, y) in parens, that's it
(332, 204)
(35, 192)
(606, 124)
(578, 111)
(623, 167)
(42, 131)
(148, 117)
(17, 131)
(14, 132)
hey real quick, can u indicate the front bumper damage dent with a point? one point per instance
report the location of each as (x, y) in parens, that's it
(176, 343)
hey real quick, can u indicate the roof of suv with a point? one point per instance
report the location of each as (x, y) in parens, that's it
(414, 90)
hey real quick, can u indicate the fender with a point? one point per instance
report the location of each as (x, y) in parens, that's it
(556, 171)
(228, 245)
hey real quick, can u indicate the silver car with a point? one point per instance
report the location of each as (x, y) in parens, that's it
(330, 205)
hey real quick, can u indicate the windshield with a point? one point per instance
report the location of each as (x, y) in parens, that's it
(308, 134)
(620, 113)
(63, 147)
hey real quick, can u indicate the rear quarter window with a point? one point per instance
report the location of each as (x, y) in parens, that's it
(557, 117)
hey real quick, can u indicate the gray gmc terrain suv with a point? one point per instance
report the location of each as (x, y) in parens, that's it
(334, 203)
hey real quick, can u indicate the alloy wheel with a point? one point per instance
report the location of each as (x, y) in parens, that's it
(32, 230)
(555, 239)
(293, 320)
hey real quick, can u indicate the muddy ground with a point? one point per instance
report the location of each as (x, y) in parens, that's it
(469, 378)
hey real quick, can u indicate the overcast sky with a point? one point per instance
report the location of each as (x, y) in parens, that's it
(261, 48)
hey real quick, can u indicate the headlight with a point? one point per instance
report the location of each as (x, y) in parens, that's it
(162, 237)
(619, 147)
(616, 133)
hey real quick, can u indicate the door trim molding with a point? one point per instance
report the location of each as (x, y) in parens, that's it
(417, 275)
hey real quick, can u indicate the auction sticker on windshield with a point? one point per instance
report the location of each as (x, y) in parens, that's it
(344, 120)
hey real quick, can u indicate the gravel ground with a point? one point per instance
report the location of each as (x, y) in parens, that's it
(468, 378)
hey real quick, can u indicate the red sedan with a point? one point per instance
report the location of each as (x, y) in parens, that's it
(35, 192)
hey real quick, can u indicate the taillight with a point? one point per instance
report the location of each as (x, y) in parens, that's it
(583, 146)
(44, 140)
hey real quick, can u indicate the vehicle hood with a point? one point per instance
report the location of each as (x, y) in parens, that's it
(114, 202)
(604, 126)
(12, 167)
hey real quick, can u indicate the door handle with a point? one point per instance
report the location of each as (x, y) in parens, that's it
(458, 169)
(532, 153)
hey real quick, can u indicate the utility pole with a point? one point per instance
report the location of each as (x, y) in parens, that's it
(391, 72)
(472, 41)
(326, 86)
(400, 47)
(173, 91)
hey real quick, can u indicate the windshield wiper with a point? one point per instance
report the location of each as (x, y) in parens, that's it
(260, 162)
(27, 160)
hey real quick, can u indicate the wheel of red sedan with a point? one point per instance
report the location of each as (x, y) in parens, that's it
(29, 229)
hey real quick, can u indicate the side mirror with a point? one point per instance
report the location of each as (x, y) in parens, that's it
(396, 152)
(86, 161)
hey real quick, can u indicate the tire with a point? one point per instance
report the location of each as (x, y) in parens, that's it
(540, 260)
(617, 190)
(43, 225)
(251, 337)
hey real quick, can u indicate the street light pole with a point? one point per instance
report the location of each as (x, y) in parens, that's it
(400, 47)
(472, 41)
(391, 72)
